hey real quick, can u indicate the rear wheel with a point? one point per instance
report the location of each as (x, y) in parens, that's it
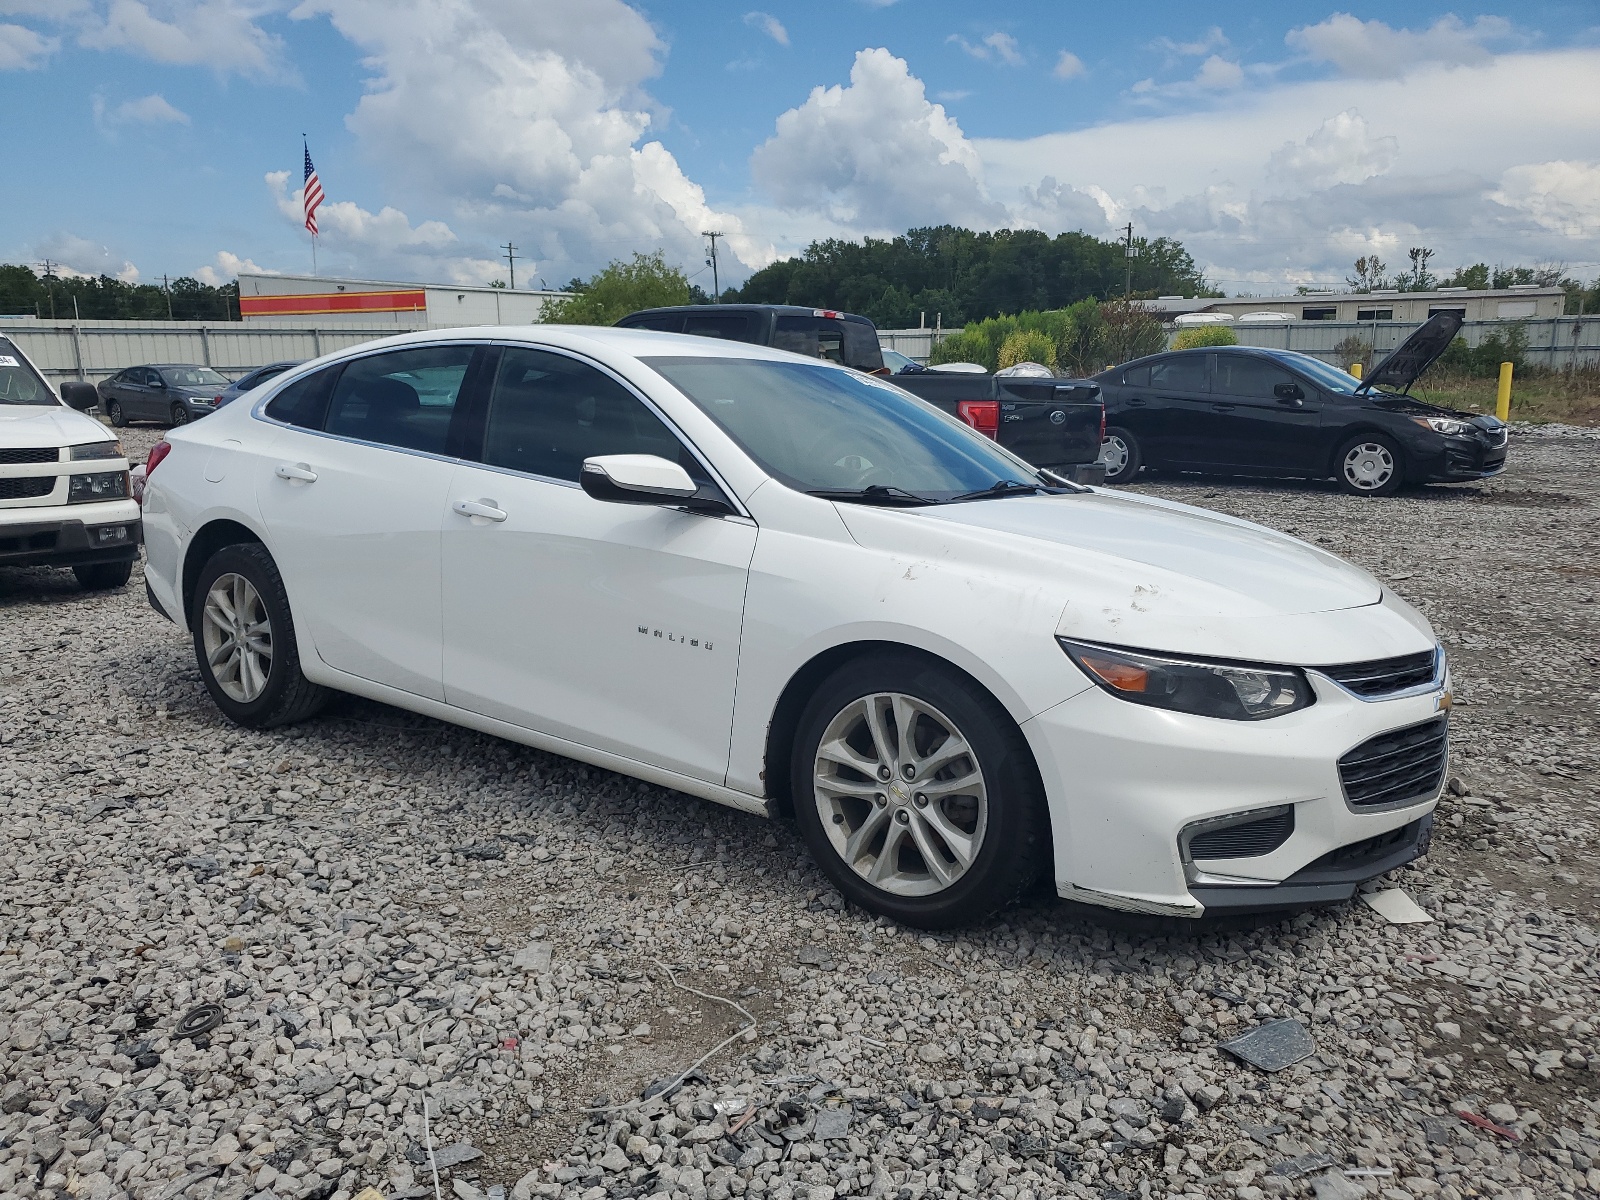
(1120, 454)
(102, 577)
(180, 413)
(916, 793)
(244, 641)
(1369, 465)
(115, 413)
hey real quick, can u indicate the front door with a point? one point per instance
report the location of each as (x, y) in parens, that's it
(614, 626)
(1256, 427)
(354, 505)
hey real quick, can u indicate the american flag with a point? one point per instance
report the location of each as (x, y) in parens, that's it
(313, 194)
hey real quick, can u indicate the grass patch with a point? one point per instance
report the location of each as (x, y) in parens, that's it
(1568, 397)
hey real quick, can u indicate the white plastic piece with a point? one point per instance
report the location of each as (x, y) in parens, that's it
(1395, 907)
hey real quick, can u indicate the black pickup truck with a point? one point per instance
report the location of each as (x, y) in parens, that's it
(1052, 423)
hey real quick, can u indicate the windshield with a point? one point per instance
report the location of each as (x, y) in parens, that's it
(819, 428)
(19, 383)
(1331, 378)
(193, 377)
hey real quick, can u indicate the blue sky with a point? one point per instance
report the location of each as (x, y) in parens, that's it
(1277, 141)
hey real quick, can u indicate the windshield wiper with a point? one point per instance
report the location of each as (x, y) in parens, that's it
(876, 493)
(1004, 487)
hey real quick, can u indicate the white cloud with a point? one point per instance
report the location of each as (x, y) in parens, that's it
(1219, 74)
(1211, 40)
(526, 118)
(1342, 150)
(1374, 50)
(995, 47)
(1068, 66)
(1562, 196)
(147, 110)
(220, 34)
(769, 25)
(226, 267)
(876, 155)
(80, 256)
(21, 49)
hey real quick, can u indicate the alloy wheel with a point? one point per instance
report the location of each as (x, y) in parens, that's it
(1114, 454)
(237, 634)
(901, 794)
(1368, 466)
(180, 414)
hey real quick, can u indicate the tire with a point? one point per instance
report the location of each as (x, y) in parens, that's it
(1002, 822)
(115, 414)
(179, 413)
(1120, 452)
(1369, 465)
(102, 577)
(250, 692)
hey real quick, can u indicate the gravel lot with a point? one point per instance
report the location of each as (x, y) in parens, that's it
(390, 913)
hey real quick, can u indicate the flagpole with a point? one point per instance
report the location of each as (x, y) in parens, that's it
(313, 254)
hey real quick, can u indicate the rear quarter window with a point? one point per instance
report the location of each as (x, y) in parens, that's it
(304, 402)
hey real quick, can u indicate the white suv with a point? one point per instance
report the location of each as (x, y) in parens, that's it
(64, 495)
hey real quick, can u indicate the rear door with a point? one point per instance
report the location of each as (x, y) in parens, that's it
(1178, 400)
(1255, 427)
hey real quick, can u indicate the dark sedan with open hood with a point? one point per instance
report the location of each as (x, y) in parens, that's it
(1247, 410)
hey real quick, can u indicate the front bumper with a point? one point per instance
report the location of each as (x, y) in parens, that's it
(1461, 458)
(1125, 781)
(47, 539)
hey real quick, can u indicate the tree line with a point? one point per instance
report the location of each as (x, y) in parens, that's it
(1371, 274)
(25, 292)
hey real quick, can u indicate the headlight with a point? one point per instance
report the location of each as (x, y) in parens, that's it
(108, 485)
(1444, 424)
(97, 450)
(1232, 691)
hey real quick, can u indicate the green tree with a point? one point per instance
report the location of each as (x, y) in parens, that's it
(25, 292)
(1204, 335)
(1027, 345)
(966, 345)
(618, 289)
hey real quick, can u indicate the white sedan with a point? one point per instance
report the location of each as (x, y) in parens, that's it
(797, 590)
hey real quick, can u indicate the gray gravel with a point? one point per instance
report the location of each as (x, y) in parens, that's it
(391, 913)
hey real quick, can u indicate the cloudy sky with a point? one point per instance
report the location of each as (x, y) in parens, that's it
(1277, 141)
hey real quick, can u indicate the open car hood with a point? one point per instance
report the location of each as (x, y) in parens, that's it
(1416, 354)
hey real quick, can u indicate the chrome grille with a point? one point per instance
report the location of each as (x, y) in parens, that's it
(29, 454)
(28, 487)
(1404, 764)
(1383, 676)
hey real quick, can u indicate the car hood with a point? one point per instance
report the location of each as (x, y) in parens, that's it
(26, 425)
(1416, 354)
(1137, 571)
(1409, 406)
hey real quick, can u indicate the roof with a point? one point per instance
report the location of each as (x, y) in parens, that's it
(791, 310)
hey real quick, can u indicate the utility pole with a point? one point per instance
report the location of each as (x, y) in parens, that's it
(716, 286)
(511, 260)
(165, 287)
(50, 285)
(1128, 255)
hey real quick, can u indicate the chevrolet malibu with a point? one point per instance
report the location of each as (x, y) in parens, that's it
(797, 590)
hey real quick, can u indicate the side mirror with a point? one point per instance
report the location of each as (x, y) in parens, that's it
(1288, 392)
(80, 396)
(159, 383)
(636, 479)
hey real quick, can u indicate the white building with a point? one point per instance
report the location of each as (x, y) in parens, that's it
(365, 303)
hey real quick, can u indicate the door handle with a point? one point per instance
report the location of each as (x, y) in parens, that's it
(484, 509)
(295, 473)
(1135, 403)
(1222, 408)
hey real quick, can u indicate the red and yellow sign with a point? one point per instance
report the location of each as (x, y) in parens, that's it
(315, 303)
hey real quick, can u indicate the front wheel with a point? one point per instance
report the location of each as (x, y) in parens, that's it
(1121, 455)
(1369, 465)
(916, 792)
(244, 641)
(180, 413)
(102, 577)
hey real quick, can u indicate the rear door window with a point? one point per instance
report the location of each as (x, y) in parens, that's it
(1137, 376)
(403, 398)
(1181, 373)
(305, 401)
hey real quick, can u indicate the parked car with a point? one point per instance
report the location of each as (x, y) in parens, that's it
(63, 483)
(167, 393)
(901, 364)
(1246, 410)
(790, 587)
(255, 379)
(1057, 423)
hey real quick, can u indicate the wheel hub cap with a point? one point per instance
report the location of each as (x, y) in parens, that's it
(1114, 454)
(901, 794)
(1369, 466)
(236, 633)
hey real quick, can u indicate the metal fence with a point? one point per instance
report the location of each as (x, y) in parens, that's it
(92, 350)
